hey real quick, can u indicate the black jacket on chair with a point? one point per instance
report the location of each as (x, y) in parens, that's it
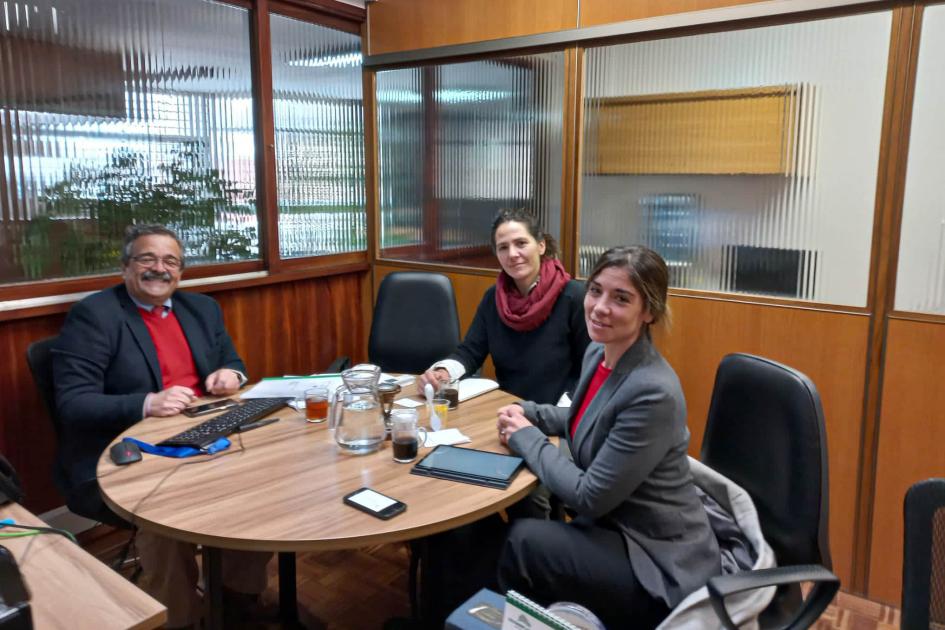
(105, 364)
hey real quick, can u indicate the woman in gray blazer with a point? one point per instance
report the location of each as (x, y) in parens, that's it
(640, 541)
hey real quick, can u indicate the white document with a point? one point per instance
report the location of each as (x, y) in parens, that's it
(445, 437)
(472, 387)
(409, 403)
(295, 386)
(292, 387)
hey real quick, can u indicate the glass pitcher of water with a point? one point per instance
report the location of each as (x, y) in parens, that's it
(356, 415)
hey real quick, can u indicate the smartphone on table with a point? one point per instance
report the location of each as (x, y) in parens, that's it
(375, 503)
(210, 407)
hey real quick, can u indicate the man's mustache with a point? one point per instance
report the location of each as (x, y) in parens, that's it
(156, 275)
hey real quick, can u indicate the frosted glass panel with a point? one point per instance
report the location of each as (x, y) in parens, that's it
(120, 112)
(459, 141)
(747, 158)
(318, 114)
(920, 281)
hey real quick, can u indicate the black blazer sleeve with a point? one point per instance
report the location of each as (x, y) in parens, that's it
(474, 348)
(97, 390)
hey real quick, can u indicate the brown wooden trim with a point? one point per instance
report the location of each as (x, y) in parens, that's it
(426, 266)
(332, 260)
(44, 288)
(325, 8)
(572, 133)
(266, 195)
(741, 17)
(897, 118)
(293, 275)
(308, 14)
(760, 300)
(245, 4)
(909, 316)
(371, 165)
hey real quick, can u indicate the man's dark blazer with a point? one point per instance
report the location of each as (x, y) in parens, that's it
(630, 471)
(105, 364)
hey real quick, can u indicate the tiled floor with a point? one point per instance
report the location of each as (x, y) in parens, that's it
(359, 590)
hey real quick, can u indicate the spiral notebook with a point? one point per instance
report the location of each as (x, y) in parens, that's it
(469, 465)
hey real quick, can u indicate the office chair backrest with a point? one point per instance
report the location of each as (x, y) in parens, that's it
(39, 357)
(923, 566)
(765, 432)
(415, 322)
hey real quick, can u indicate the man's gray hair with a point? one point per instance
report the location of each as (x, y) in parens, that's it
(134, 232)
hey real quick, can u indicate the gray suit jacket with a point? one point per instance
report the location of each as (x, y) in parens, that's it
(630, 470)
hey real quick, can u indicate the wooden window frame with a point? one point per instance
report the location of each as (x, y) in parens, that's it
(328, 13)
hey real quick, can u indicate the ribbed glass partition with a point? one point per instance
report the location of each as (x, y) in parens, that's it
(920, 280)
(456, 142)
(318, 115)
(120, 112)
(747, 158)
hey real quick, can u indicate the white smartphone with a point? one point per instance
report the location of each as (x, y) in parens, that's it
(375, 503)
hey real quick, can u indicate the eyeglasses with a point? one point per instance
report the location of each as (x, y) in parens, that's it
(150, 260)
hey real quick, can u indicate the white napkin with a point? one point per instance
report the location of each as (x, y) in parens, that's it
(445, 437)
(410, 403)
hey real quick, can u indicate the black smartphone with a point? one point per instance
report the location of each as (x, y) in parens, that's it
(210, 407)
(375, 503)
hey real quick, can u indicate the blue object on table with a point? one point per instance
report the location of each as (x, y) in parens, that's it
(477, 612)
(180, 451)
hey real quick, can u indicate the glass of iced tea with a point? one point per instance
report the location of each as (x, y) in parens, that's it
(406, 436)
(316, 404)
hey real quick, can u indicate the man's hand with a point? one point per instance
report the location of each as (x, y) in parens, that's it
(223, 382)
(437, 377)
(511, 418)
(170, 401)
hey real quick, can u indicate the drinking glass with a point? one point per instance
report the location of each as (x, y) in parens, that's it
(405, 435)
(441, 408)
(316, 404)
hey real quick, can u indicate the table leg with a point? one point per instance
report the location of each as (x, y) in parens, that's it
(213, 587)
(288, 605)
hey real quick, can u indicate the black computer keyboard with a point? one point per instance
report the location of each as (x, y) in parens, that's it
(209, 431)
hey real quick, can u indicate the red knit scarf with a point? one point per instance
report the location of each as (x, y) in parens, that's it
(528, 312)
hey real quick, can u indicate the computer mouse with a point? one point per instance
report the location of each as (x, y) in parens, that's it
(125, 453)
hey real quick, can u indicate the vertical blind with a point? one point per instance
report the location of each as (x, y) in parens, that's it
(920, 280)
(457, 142)
(318, 116)
(121, 112)
(748, 158)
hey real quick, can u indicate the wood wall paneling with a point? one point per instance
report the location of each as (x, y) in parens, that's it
(290, 328)
(468, 288)
(594, 12)
(27, 438)
(911, 439)
(398, 25)
(829, 347)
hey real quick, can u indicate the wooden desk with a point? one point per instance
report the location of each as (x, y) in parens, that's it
(71, 589)
(280, 487)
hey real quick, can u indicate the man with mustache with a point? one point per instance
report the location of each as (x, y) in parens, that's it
(140, 349)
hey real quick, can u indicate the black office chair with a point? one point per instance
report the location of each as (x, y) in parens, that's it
(415, 322)
(923, 566)
(40, 359)
(765, 432)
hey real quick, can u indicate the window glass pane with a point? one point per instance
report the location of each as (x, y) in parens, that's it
(120, 112)
(747, 158)
(456, 142)
(318, 113)
(920, 280)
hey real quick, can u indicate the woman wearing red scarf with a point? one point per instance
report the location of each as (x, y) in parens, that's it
(531, 321)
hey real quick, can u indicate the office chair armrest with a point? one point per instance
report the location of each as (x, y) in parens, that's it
(339, 365)
(826, 585)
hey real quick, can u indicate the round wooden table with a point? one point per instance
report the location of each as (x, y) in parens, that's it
(280, 488)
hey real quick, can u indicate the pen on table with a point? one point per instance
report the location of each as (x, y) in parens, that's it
(255, 425)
